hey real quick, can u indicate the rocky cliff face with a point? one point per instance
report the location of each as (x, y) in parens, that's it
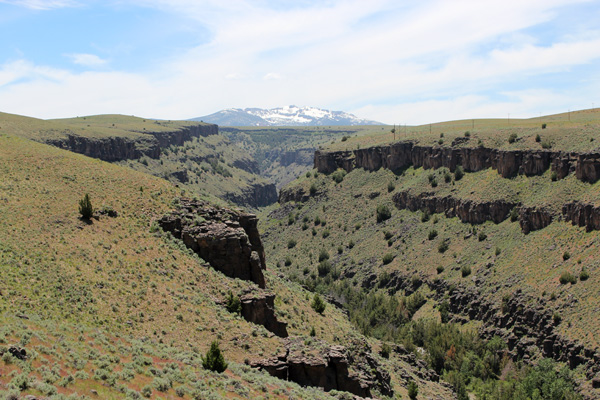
(534, 218)
(259, 307)
(109, 149)
(507, 162)
(328, 368)
(121, 148)
(227, 239)
(256, 195)
(582, 214)
(466, 210)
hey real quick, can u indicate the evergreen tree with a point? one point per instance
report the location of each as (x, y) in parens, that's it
(318, 304)
(85, 207)
(214, 360)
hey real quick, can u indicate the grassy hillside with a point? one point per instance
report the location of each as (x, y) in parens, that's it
(573, 131)
(114, 308)
(98, 126)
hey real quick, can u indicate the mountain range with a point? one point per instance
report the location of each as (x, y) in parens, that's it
(283, 116)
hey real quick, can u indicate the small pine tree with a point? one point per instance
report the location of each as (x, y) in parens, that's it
(318, 304)
(214, 360)
(85, 207)
(234, 305)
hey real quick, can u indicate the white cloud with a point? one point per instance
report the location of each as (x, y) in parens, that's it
(86, 60)
(382, 59)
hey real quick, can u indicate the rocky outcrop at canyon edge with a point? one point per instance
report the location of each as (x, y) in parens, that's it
(466, 210)
(118, 148)
(328, 368)
(507, 162)
(227, 239)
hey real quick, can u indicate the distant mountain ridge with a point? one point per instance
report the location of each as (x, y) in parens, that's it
(283, 116)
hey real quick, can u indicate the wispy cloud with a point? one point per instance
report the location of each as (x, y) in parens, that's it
(87, 60)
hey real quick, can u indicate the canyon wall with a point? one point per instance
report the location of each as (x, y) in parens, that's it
(508, 163)
(118, 148)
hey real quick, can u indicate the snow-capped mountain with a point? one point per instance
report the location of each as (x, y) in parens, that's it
(283, 116)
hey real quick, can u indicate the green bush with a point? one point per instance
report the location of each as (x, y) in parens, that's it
(324, 267)
(291, 243)
(432, 234)
(385, 350)
(318, 304)
(391, 187)
(85, 207)
(482, 236)
(459, 172)
(443, 246)
(214, 360)
(388, 258)
(338, 176)
(566, 255)
(538, 138)
(584, 275)
(323, 255)
(465, 271)
(567, 277)
(543, 127)
(439, 269)
(383, 213)
(413, 390)
(233, 304)
(512, 138)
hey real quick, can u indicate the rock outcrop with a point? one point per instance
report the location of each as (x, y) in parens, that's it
(508, 163)
(259, 307)
(582, 214)
(293, 193)
(118, 148)
(328, 368)
(466, 210)
(227, 239)
(534, 218)
(258, 194)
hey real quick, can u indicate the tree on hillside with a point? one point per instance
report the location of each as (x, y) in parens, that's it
(214, 360)
(85, 207)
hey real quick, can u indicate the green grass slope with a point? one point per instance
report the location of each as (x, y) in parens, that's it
(115, 308)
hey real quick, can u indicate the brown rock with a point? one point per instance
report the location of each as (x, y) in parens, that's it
(259, 307)
(227, 239)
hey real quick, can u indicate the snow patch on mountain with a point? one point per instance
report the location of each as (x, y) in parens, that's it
(283, 116)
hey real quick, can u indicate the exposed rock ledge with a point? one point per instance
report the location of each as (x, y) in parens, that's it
(227, 239)
(508, 162)
(122, 148)
(259, 307)
(328, 368)
(466, 210)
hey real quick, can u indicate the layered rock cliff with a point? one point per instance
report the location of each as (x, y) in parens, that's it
(227, 239)
(466, 210)
(508, 163)
(118, 148)
(328, 368)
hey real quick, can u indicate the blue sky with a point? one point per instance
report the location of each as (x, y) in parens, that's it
(389, 60)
